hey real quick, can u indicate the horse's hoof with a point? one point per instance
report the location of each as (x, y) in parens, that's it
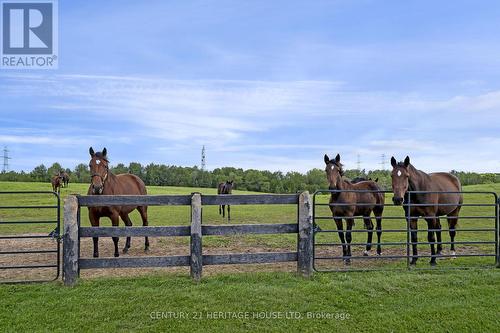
(146, 249)
(96, 255)
(366, 253)
(453, 255)
(347, 262)
(125, 250)
(117, 255)
(379, 253)
(413, 262)
(433, 263)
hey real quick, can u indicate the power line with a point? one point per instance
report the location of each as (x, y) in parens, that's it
(382, 161)
(6, 159)
(203, 158)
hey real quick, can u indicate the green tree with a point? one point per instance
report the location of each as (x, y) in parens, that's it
(82, 173)
(54, 169)
(39, 174)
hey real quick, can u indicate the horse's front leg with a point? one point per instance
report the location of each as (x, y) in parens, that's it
(438, 236)
(348, 236)
(369, 227)
(431, 224)
(340, 230)
(115, 219)
(414, 240)
(94, 221)
(379, 234)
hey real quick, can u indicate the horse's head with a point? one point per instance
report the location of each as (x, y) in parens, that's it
(99, 168)
(57, 179)
(400, 179)
(334, 171)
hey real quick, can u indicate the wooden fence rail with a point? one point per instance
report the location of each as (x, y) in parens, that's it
(72, 263)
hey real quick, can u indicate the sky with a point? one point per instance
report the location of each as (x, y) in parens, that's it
(269, 85)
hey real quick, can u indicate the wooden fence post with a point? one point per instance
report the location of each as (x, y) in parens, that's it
(196, 249)
(70, 241)
(305, 236)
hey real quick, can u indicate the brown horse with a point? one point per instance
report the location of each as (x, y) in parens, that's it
(105, 182)
(350, 203)
(405, 177)
(56, 182)
(225, 188)
(65, 177)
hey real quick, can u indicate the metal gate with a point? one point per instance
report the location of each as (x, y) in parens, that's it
(476, 240)
(29, 236)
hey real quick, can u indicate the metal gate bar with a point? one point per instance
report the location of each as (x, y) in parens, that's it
(55, 234)
(408, 243)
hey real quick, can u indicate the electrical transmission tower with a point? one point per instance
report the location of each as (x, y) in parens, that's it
(203, 161)
(382, 161)
(6, 159)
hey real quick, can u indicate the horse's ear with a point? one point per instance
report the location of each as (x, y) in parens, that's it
(104, 152)
(337, 158)
(407, 161)
(376, 180)
(327, 159)
(91, 152)
(394, 163)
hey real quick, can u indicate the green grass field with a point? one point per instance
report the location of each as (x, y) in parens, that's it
(393, 300)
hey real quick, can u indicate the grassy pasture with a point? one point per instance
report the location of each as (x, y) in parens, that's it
(399, 300)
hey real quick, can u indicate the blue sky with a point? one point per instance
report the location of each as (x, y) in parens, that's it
(263, 84)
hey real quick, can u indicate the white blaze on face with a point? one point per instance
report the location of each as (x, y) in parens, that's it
(333, 167)
(399, 173)
(98, 162)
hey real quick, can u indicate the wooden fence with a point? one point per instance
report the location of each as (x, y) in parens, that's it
(72, 262)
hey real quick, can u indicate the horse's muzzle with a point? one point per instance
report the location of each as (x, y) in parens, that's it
(397, 201)
(97, 189)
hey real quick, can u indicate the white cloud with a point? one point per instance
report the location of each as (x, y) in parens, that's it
(241, 118)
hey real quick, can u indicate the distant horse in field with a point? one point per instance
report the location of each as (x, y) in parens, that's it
(225, 188)
(105, 182)
(372, 201)
(56, 182)
(65, 178)
(405, 177)
(362, 179)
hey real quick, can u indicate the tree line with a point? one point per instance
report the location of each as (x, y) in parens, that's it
(250, 180)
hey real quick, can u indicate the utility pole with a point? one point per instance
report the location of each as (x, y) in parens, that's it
(203, 161)
(359, 163)
(382, 161)
(6, 159)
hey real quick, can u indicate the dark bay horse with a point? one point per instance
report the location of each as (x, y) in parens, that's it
(225, 188)
(405, 177)
(65, 177)
(106, 183)
(372, 201)
(56, 182)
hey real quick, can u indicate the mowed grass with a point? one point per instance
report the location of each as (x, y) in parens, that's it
(458, 301)
(385, 301)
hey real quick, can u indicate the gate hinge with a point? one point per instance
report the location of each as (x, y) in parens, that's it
(316, 228)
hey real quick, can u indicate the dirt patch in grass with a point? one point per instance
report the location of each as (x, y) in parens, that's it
(180, 246)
